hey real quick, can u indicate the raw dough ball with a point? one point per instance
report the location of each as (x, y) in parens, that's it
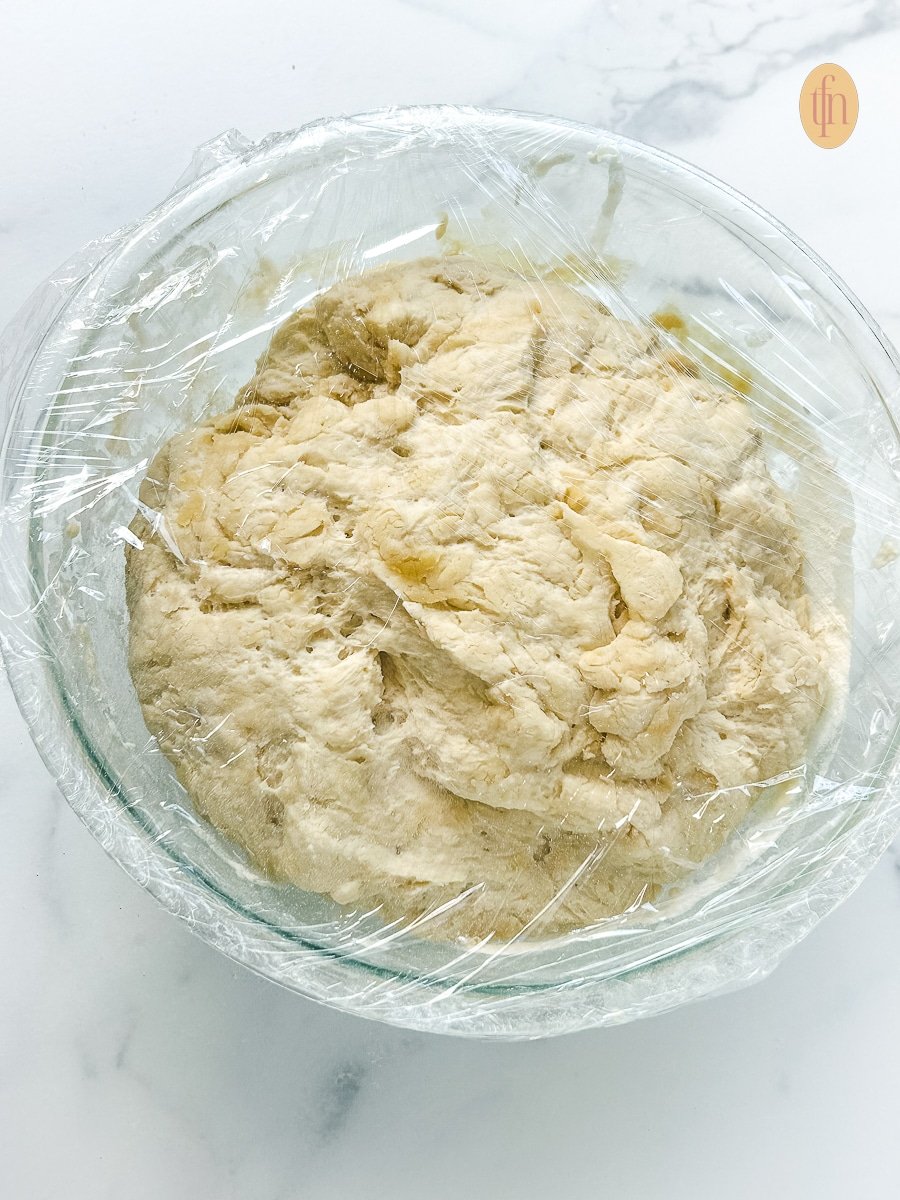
(474, 600)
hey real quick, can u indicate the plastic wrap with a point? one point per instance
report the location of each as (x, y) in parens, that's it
(158, 327)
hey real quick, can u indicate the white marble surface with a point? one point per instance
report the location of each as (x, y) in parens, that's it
(134, 1061)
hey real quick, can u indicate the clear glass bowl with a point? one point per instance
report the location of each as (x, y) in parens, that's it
(161, 323)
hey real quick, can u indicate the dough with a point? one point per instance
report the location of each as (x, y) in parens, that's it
(477, 607)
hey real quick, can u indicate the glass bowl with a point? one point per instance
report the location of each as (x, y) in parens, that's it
(156, 326)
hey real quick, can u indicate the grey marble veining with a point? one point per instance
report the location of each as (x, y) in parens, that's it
(134, 1060)
(665, 74)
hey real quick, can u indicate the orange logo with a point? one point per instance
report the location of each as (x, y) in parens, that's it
(829, 106)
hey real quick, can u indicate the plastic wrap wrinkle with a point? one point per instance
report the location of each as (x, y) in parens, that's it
(155, 330)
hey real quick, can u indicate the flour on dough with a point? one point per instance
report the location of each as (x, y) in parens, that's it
(474, 593)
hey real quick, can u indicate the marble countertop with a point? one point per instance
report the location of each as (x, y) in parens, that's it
(137, 1063)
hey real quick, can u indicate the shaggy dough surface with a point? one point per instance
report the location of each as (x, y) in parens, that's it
(475, 592)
